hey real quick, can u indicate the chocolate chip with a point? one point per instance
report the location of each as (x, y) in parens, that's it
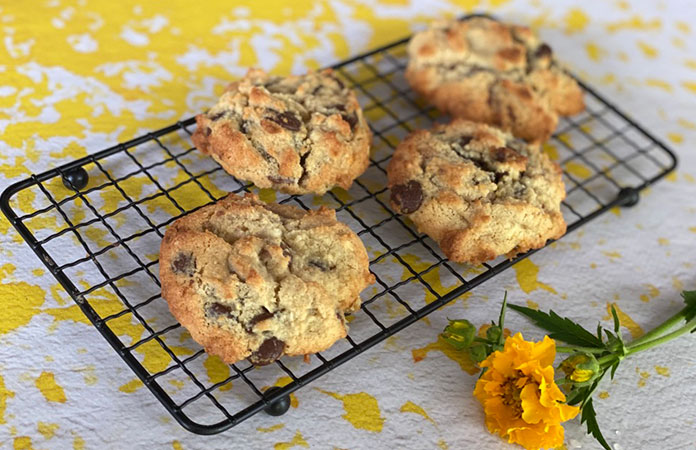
(216, 116)
(263, 315)
(287, 120)
(218, 309)
(184, 263)
(208, 131)
(543, 51)
(280, 180)
(338, 106)
(408, 197)
(286, 250)
(352, 119)
(244, 127)
(271, 349)
(464, 141)
(321, 265)
(502, 154)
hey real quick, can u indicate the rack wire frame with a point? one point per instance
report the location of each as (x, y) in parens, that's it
(618, 158)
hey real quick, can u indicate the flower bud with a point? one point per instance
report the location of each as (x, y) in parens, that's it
(478, 352)
(493, 333)
(580, 368)
(459, 333)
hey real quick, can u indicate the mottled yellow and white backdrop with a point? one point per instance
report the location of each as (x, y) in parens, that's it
(78, 75)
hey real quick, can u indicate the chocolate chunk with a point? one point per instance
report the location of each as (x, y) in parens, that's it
(286, 250)
(244, 127)
(352, 119)
(338, 106)
(464, 141)
(208, 131)
(502, 154)
(218, 309)
(543, 51)
(286, 120)
(321, 265)
(184, 263)
(280, 180)
(271, 349)
(263, 315)
(408, 197)
(216, 116)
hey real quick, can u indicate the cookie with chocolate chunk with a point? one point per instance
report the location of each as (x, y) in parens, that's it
(255, 280)
(297, 134)
(487, 71)
(476, 190)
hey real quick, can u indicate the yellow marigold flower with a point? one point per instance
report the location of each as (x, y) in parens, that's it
(519, 396)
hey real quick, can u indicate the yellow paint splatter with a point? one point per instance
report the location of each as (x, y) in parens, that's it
(22, 443)
(625, 321)
(575, 20)
(551, 151)
(608, 78)
(460, 357)
(692, 229)
(664, 371)
(532, 304)
(47, 430)
(643, 377)
(38, 272)
(690, 63)
(527, 273)
(686, 123)
(218, 371)
(442, 444)
(675, 137)
(278, 426)
(604, 395)
(52, 391)
(362, 410)
(176, 445)
(297, 441)
(612, 255)
(678, 285)
(648, 50)
(690, 85)
(594, 51)
(672, 176)
(20, 302)
(577, 169)
(131, 386)
(634, 23)
(432, 277)
(683, 27)
(4, 395)
(644, 298)
(654, 82)
(411, 407)
(78, 443)
(267, 195)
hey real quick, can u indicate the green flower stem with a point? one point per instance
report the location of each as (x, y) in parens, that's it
(635, 347)
(660, 329)
(572, 349)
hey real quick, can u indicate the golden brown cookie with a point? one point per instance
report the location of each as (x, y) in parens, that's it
(255, 280)
(487, 71)
(478, 191)
(297, 134)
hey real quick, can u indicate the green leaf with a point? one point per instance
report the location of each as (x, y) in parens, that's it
(501, 319)
(617, 323)
(690, 300)
(589, 416)
(614, 367)
(560, 328)
(599, 331)
(577, 395)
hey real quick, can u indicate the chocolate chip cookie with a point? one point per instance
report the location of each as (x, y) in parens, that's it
(476, 190)
(297, 134)
(258, 281)
(483, 70)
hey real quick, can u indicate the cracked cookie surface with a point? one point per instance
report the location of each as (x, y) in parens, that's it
(476, 190)
(255, 280)
(487, 71)
(297, 134)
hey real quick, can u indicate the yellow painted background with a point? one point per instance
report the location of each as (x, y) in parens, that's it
(77, 76)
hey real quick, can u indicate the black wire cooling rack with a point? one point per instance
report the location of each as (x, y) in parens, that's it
(105, 250)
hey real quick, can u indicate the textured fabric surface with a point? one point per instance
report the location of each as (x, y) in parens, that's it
(77, 76)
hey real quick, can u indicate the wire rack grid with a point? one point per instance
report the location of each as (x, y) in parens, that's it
(101, 242)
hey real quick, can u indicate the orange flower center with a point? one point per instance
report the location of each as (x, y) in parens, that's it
(512, 389)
